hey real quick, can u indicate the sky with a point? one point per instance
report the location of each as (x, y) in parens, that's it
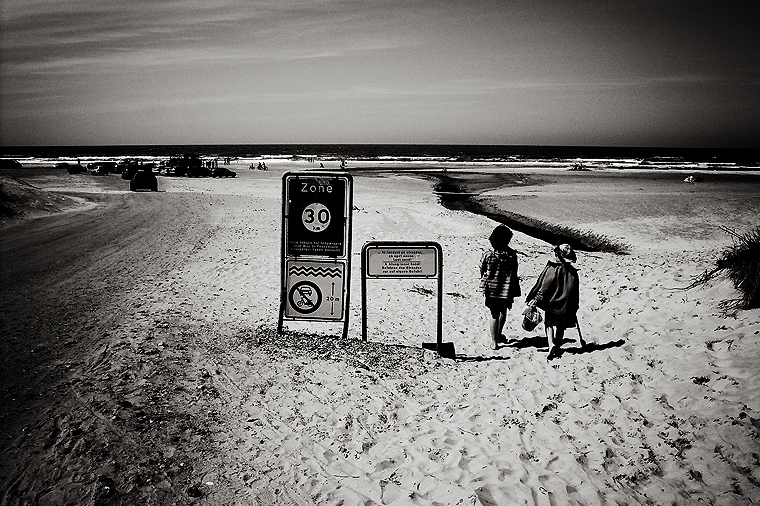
(537, 72)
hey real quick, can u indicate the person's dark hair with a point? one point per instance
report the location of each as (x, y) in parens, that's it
(500, 237)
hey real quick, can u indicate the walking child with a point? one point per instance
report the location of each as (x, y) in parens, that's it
(557, 292)
(499, 281)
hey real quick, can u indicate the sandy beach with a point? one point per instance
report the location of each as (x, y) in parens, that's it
(141, 362)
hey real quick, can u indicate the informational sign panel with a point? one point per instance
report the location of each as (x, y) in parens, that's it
(315, 289)
(316, 247)
(316, 215)
(396, 259)
(401, 261)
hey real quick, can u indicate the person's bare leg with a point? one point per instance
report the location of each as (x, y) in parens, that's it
(494, 329)
(502, 322)
(550, 338)
(559, 335)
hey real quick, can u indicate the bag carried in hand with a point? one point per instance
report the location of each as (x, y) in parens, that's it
(531, 318)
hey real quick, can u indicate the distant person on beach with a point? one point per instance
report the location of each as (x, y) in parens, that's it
(499, 281)
(557, 292)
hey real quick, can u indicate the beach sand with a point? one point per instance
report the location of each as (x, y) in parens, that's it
(141, 362)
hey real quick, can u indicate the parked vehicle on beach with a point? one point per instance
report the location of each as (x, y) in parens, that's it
(130, 167)
(222, 172)
(144, 179)
(198, 171)
(183, 165)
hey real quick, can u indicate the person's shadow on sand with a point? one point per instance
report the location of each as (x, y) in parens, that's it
(591, 347)
(541, 342)
(536, 341)
(465, 358)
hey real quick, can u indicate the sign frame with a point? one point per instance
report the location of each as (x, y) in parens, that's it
(310, 285)
(318, 211)
(313, 208)
(404, 259)
(406, 250)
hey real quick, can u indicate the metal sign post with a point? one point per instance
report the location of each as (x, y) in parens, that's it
(400, 260)
(316, 247)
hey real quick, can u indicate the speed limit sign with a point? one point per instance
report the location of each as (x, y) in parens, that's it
(316, 217)
(316, 214)
(316, 247)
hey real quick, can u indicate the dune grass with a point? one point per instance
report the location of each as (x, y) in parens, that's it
(741, 263)
(461, 194)
(582, 240)
(552, 233)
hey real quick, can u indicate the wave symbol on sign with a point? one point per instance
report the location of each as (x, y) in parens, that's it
(325, 272)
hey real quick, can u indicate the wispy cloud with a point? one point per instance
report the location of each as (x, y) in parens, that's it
(79, 35)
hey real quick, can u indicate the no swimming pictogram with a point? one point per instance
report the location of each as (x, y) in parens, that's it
(315, 289)
(305, 297)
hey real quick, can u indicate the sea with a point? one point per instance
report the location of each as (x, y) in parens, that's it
(589, 157)
(461, 172)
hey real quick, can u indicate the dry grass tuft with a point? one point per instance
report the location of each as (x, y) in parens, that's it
(456, 194)
(581, 240)
(741, 263)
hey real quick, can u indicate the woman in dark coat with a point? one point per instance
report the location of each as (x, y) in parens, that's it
(557, 292)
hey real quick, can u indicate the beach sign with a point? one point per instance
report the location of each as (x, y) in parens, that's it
(393, 260)
(406, 260)
(316, 210)
(315, 289)
(316, 247)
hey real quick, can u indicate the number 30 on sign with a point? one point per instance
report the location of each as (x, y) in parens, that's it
(316, 217)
